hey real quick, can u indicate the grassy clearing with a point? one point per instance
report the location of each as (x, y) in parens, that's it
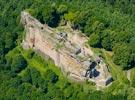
(40, 64)
(33, 62)
(116, 70)
(120, 83)
(120, 79)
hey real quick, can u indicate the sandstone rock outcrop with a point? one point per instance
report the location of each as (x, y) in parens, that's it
(67, 50)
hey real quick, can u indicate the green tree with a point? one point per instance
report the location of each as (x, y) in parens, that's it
(9, 42)
(62, 9)
(69, 91)
(94, 40)
(18, 63)
(35, 75)
(55, 93)
(121, 55)
(106, 41)
(27, 76)
(70, 16)
(50, 76)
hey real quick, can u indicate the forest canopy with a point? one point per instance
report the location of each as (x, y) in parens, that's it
(109, 25)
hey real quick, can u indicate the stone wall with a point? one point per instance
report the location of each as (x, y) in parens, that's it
(36, 39)
(43, 38)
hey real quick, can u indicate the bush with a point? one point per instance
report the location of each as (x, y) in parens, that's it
(27, 76)
(121, 56)
(94, 40)
(30, 54)
(51, 76)
(18, 63)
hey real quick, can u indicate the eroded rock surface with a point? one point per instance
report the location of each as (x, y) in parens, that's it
(67, 50)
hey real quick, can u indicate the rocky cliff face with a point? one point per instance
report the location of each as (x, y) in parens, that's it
(66, 49)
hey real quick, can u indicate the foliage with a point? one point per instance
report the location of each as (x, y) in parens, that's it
(18, 63)
(24, 75)
(35, 84)
(133, 77)
(62, 9)
(70, 16)
(94, 40)
(52, 77)
(122, 55)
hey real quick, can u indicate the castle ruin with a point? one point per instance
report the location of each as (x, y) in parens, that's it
(67, 50)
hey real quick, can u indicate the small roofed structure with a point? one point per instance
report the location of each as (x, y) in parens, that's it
(62, 36)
